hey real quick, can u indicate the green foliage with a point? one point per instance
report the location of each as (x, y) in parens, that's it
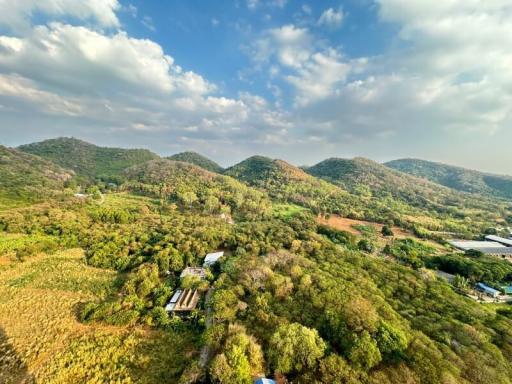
(365, 353)
(28, 179)
(457, 178)
(87, 160)
(295, 348)
(487, 269)
(197, 159)
(386, 231)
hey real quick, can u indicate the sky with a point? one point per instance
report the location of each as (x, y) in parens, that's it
(296, 80)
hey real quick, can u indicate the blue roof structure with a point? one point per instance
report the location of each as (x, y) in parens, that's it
(487, 289)
(264, 380)
(507, 290)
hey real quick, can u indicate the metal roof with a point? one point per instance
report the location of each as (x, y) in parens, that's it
(499, 239)
(469, 244)
(264, 380)
(193, 271)
(487, 289)
(212, 258)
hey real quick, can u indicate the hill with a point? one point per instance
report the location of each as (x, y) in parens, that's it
(455, 177)
(287, 183)
(88, 160)
(191, 185)
(413, 199)
(27, 177)
(197, 159)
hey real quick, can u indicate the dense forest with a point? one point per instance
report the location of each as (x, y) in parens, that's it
(87, 269)
(456, 177)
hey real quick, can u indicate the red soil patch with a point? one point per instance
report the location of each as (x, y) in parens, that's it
(345, 224)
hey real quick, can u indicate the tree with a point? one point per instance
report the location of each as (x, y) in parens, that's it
(461, 283)
(335, 370)
(386, 231)
(365, 354)
(365, 246)
(392, 342)
(188, 198)
(295, 348)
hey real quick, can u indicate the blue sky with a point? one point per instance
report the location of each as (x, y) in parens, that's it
(297, 80)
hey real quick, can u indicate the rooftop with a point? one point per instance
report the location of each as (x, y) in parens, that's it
(212, 258)
(183, 301)
(498, 239)
(193, 271)
(478, 245)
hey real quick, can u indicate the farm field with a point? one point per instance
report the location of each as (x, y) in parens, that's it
(42, 341)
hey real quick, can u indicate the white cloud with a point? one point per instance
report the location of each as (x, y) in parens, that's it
(331, 18)
(17, 14)
(147, 21)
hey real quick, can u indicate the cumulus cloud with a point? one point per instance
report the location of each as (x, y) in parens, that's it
(331, 18)
(17, 14)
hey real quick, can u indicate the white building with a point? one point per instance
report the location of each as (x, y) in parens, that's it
(212, 258)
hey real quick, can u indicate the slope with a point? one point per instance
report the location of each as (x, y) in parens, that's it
(28, 178)
(88, 160)
(455, 177)
(192, 186)
(197, 159)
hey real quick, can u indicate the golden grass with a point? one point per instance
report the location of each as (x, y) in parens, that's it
(42, 341)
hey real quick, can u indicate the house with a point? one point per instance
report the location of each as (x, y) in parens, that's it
(172, 303)
(493, 248)
(193, 271)
(183, 301)
(487, 290)
(264, 380)
(212, 258)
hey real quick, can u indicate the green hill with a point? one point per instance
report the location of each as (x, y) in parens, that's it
(197, 159)
(455, 177)
(192, 186)
(26, 177)
(88, 160)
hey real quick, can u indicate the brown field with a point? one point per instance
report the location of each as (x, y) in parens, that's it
(345, 224)
(42, 341)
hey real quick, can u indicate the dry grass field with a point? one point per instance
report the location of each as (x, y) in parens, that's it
(41, 340)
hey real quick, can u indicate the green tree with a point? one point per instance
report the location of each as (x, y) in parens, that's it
(295, 348)
(364, 353)
(386, 231)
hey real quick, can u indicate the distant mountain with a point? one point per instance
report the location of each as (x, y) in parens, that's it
(25, 177)
(455, 177)
(89, 160)
(197, 159)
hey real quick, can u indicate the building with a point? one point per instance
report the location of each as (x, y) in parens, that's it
(487, 290)
(183, 301)
(172, 303)
(264, 380)
(489, 247)
(212, 258)
(193, 271)
(466, 245)
(500, 240)
(507, 290)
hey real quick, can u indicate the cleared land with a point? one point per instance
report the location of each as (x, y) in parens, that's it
(41, 340)
(350, 225)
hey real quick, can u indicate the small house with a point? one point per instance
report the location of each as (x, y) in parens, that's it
(193, 271)
(183, 301)
(212, 258)
(487, 290)
(174, 299)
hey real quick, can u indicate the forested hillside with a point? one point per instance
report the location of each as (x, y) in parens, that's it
(197, 159)
(88, 160)
(191, 185)
(28, 178)
(363, 189)
(85, 280)
(455, 177)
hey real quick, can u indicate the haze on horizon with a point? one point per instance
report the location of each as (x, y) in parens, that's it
(297, 80)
